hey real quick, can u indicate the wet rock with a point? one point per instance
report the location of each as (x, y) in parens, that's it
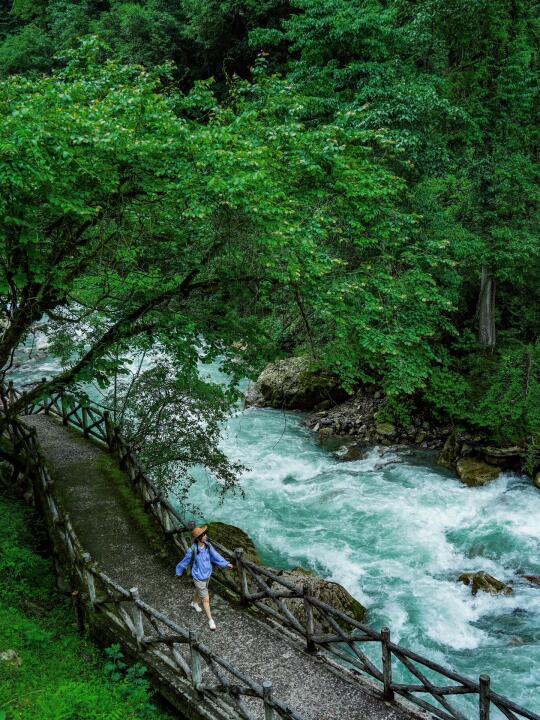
(487, 583)
(450, 453)
(476, 473)
(293, 384)
(233, 537)
(506, 457)
(329, 592)
(354, 451)
(536, 480)
(533, 579)
(517, 642)
(11, 658)
(324, 405)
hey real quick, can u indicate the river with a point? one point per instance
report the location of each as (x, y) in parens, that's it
(396, 531)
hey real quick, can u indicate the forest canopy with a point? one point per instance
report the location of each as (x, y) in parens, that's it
(357, 180)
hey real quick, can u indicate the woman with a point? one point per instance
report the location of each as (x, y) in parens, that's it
(202, 557)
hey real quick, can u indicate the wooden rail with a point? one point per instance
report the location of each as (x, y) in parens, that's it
(323, 627)
(151, 632)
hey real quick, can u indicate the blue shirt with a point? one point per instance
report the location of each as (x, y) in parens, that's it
(202, 565)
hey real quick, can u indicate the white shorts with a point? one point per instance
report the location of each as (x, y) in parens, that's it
(202, 588)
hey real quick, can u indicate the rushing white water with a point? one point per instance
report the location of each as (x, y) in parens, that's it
(396, 531)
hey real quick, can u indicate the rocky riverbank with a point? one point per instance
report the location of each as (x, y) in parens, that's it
(327, 591)
(355, 423)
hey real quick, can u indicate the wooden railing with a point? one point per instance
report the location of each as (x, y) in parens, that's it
(323, 627)
(156, 638)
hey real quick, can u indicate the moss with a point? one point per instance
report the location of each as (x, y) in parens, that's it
(233, 537)
(359, 612)
(131, 501)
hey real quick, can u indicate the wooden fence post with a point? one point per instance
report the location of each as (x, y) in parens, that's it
(108, 429)
(87, 559)
(46, 398)
(84, 418)
(267, 700)
(79, 610)
(242, 577)
(485, 683)
(196, 671)
(308, 612)
(388, 692)
(136, 614)
(63, 408)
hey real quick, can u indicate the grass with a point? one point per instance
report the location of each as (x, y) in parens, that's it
(57, 674)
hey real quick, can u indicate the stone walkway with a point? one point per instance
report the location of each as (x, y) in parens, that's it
(113, 527)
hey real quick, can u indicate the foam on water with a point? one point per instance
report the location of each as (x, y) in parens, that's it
(396, 531)
(396, 534)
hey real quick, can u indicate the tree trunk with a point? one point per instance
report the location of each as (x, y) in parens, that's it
(486, 309)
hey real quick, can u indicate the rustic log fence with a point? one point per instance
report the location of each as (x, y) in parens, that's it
(323, 628)
(156, 637)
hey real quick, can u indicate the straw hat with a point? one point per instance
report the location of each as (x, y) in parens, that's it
(197, 532)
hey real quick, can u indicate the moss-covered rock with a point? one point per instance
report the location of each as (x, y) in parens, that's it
(331, 593)
(233, 537)
(487, 583)
(293, 383)
(387, 429)
(536, 479)
(475, 473)
(450, 453)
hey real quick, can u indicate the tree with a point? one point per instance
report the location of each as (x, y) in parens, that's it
(454, 86)
(146, 216)
(174, 420)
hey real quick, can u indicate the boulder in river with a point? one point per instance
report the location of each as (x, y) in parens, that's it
(294, 384)
(233, 537)
(536, 480)
(533, 579)
(486, 583)
(475, 473)
(331, 593)
(450, 453)
(351, 451)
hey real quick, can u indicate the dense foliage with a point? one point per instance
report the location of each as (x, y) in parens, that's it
(54, 673)
(356, 179)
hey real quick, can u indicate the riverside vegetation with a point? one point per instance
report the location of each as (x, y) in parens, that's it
(144, 200)
(47, 670)
(353, 181)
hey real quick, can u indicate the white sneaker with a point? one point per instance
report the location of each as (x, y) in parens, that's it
(211, 625)
(196, 606)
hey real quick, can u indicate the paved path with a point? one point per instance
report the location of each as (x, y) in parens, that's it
(112, 526)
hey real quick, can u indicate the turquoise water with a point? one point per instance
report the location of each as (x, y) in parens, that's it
(396, 531)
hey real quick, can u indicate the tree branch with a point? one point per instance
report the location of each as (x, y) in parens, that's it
(123, 329)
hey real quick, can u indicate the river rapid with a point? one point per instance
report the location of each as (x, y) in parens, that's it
(396, 531)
